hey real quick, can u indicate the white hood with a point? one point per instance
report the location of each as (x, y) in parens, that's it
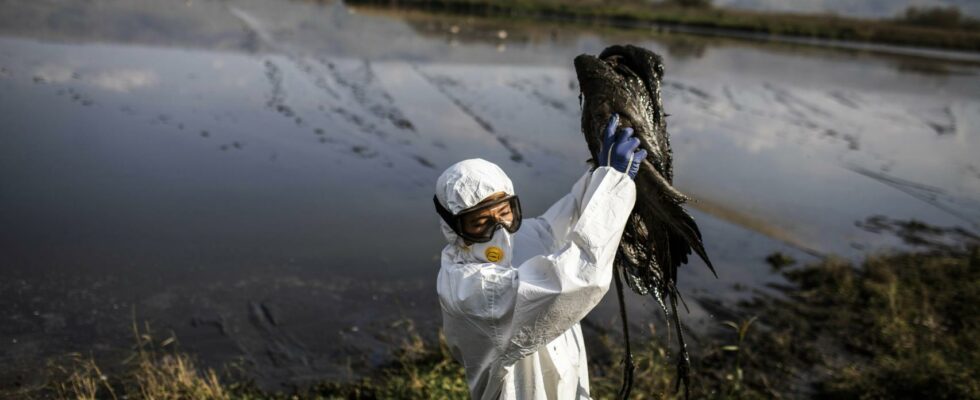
(467, 183)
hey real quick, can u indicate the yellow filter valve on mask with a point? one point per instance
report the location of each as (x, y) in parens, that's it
(493, 253)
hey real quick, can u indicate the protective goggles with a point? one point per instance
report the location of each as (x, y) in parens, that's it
(481, 227)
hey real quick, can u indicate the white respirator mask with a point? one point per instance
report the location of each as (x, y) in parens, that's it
(498, 250)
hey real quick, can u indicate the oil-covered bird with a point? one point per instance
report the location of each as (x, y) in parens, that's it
(660, 234)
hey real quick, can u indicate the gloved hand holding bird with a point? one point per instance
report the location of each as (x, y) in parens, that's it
(625, 82)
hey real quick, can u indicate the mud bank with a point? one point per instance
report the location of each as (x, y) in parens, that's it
(899, 325)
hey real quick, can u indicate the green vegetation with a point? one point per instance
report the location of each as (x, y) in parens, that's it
(897, 326)
(691, 3)
(938, 28)
(778, 261)
(938, 17)
(900, 326)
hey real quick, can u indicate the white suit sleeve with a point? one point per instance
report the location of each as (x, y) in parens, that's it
(520, 309)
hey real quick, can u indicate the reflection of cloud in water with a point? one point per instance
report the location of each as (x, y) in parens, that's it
(124, 80)
(114, 80)
(772, 151)
(530, 113)
(934, 196)
(53, 73)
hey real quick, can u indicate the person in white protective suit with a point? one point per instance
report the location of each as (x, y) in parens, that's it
(512, 291)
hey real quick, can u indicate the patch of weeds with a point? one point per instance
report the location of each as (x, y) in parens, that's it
(897, 326)
(779, 260)
(154, 370)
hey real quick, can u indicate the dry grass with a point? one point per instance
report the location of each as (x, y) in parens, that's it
(83, 380)
(155, 371)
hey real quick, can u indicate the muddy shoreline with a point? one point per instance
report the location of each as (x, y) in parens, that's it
(899, 324)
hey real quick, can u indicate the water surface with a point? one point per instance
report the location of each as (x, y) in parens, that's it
(257, 177)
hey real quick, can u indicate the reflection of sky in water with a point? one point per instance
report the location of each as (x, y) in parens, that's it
(307, 161)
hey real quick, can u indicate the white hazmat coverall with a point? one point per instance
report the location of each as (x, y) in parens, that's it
(514, 323)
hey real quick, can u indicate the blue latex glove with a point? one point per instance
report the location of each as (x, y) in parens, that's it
(619, 149)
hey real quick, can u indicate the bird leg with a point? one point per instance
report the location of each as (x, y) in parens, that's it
(683, 359)
(624, 391)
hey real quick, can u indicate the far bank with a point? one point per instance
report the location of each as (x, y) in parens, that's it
(930, 28)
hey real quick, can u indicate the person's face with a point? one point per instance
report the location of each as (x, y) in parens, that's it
(475, 223)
